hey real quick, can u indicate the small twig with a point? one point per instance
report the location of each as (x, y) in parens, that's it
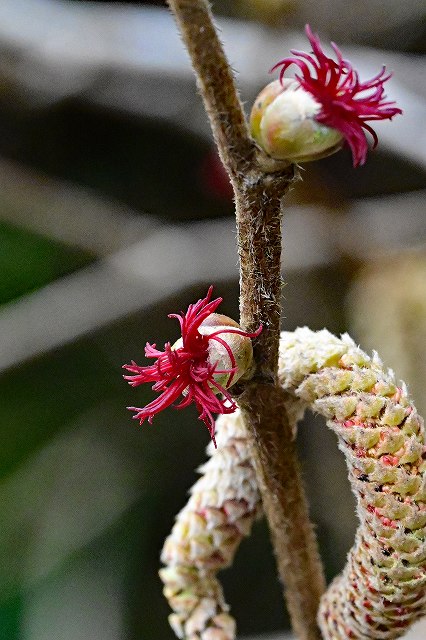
(258, 190)
(216, 84)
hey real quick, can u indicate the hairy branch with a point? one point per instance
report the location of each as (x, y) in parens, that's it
(216, 83)
(258, 189)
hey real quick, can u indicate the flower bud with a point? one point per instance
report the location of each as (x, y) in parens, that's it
(232, 353)
(283, 123)
(200, 366)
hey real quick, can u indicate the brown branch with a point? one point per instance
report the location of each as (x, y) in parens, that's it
(262, 402)
(258, 193)
(216, 83)
(285, 505)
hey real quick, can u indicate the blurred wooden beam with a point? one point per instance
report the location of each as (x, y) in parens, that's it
(65, 212)
(378, 226)
(168, 260)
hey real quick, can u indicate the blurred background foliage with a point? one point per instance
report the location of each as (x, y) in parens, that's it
(114, 212)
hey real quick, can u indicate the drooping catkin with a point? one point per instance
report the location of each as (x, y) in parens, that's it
(224, 503)
(382, 589)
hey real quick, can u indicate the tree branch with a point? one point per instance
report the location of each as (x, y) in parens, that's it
(259, 188)
(216, 83)
(285, 505)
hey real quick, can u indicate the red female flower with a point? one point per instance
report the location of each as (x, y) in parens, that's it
(196, 364)
(346, 103)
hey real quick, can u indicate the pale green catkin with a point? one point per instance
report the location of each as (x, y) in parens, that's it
(224, 503)
(382, 588)
(381, 591)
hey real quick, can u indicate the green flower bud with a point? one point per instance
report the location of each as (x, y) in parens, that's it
(283, 123)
